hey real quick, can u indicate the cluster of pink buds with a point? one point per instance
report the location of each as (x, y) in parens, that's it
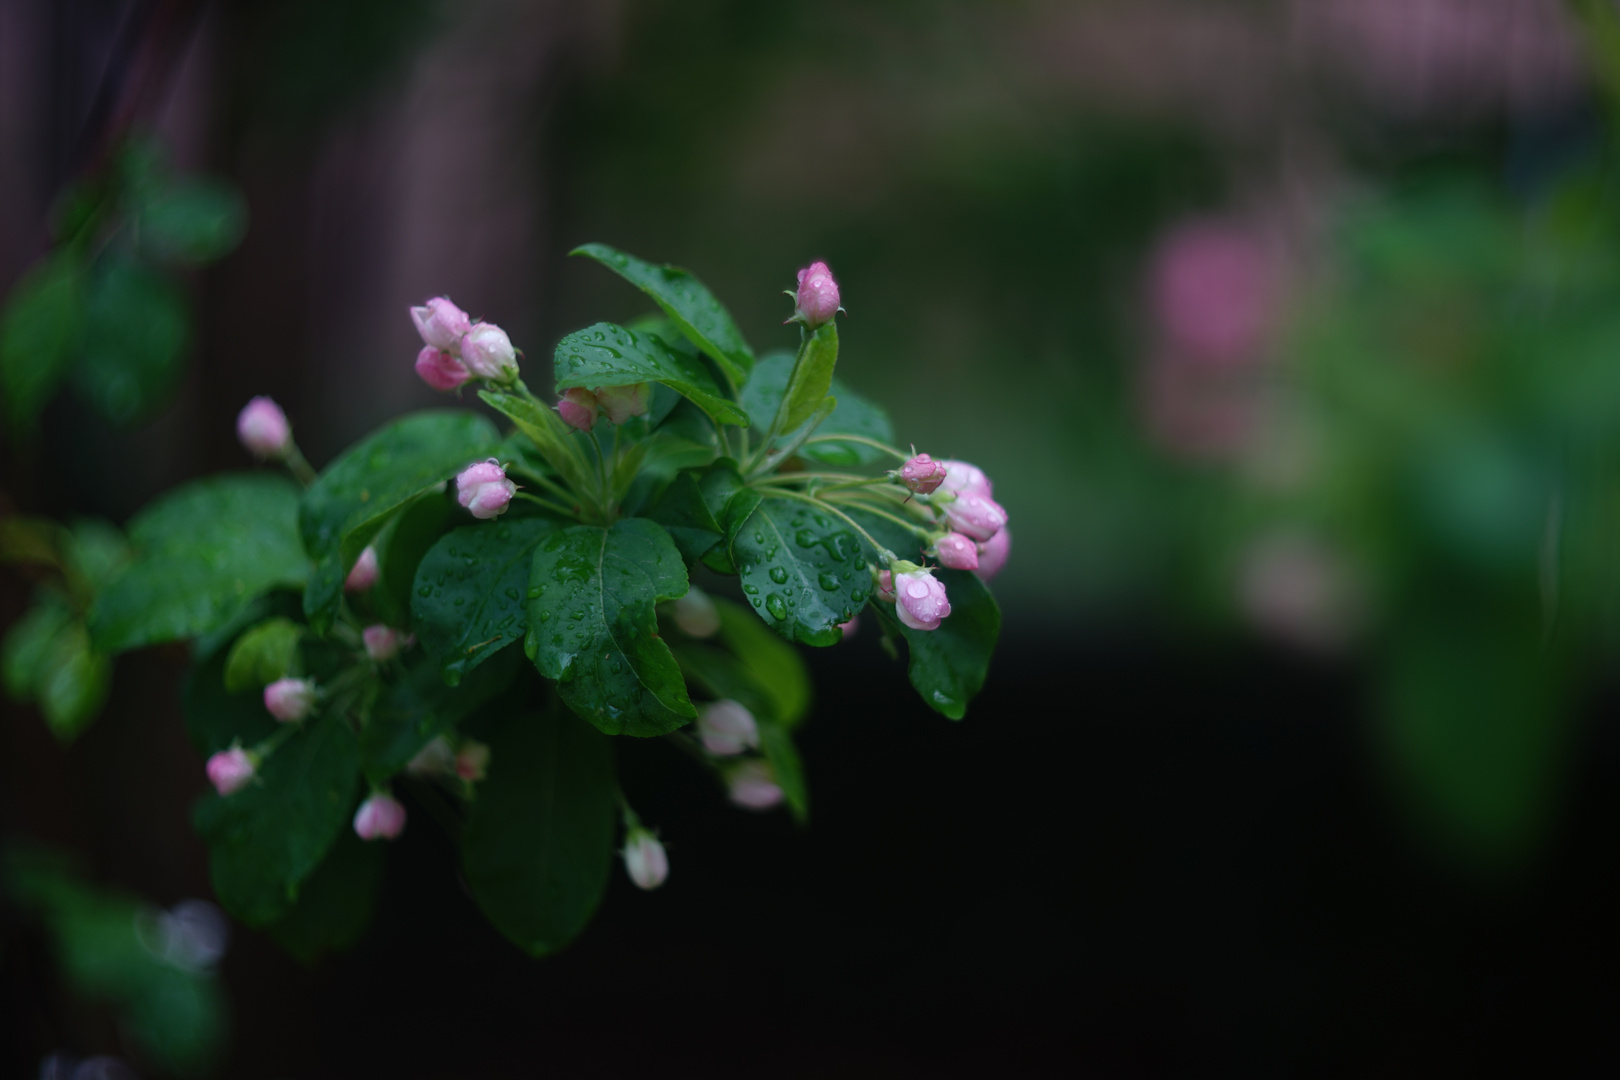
(290, 700)
(917, 595)
(645, 859)
(263, 429)
(579, 406)
(484, 489)
(380, 817)
(456, 350)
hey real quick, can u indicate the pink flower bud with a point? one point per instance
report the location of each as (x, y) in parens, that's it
(696, 614)
(263, 429)
(817, 299)
(488, 353)
(434, 759)
(993, 555)
(364, 574)
(578, 408)
(472, 761)
(885, 586)
(726, 728)
(484, 489)
(957, 552)
(622, 402)
(441, 324)
(645, 859)
(230, 770)
(977, 516)
(440, 369)
(960, 477)
(382, 642)
(921, 602)
(290, 700)
(380, 816)
(850, 627)
(922, 474)
(753, 786)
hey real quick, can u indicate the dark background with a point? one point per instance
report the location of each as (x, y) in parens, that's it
(1159, 845)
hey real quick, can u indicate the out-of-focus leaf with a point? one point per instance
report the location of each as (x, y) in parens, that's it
(29, 641)
(264, 654)
(777, 745)
(777, 666)
(40, 329)
(420, 707)
(73, 682)
(136, 331)
(335, 902)
(192, 221)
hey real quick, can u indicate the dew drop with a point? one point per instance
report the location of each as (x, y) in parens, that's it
(775, 605)
(829, 581)
(779, 575)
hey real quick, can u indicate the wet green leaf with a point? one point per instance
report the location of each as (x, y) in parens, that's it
(335, 902)
(413, 711)
(777, 745)
(777, 666)
(948, 666)
(803, 570)
(609, 355)
(264, 654)
(469, 601)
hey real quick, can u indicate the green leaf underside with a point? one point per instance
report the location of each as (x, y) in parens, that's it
(948, 665)
(335, 902)
(413, 711)
(39, 334)
(701, 318)
(469, 600)
(777, 746)
(354, 497)
(136, 332)
(203, 552)
(855, 415)
(538, 845)
(811, 377)
(803, 571)
(264, 840)
(777, 665)
(610, 355)
(592, 625)
(262, 655)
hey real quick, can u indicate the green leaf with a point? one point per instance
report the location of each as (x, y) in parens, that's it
(215, 717)
(355, 495)
(549, 435)
(783, 756)
(192, 221)
(802, 569)
(264, 654)
(403, 543)
(721, 675)
(73, 682)
(688, 303)
(949, 665)
(413, 711)
(686, 516)
(137, 327)
(811, 378)
(203, 552)
(777, 666)
(609, 355)
(855, 415)
(335, 902)
(40, 328)
(538, 845)
(593, 628)
(29, 641)
(469, 599)
(98, 551)
(264, 840)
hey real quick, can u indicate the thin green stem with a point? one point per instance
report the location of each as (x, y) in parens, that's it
(926, 534)
(547, 483)
(300, 468)
(798, 477)
(868, 482)
(548, 505)
(864, 441)
(885, 556)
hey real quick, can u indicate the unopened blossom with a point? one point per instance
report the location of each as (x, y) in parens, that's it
(957, 552)
(993, 555)
(977, 516)
(290, 700)
(696, 614)
(434, 759)
(472, 761)
(727, 728)
(488, 353)
(816, 300)
(920, 599)
(922, 474)
(484, 489)
(885, 586)
(645, 859)
(961, 476)
(440, 369)
(578, 408)
(364, 574)
(263, 429)
(622, 402)
(382, 642)
(753, 786)
(230, 770)
(441, 324)
(850, 627)
(380, 816)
